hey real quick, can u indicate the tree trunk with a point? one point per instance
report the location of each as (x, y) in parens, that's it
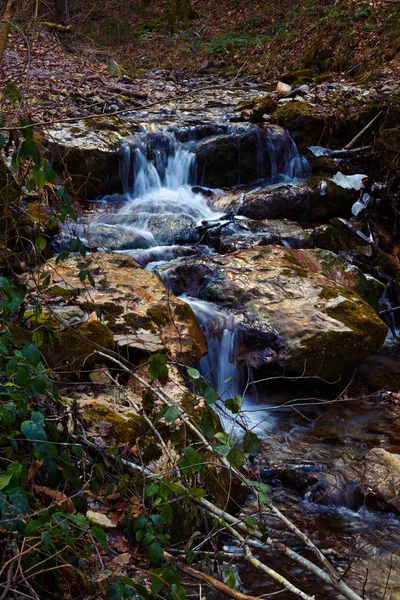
(60, 11)
(181, 10)
(9, 14)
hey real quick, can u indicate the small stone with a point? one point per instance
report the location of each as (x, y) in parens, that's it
(283, 88)
(99, 519)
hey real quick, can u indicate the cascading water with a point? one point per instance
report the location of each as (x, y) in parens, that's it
(217, 366)
(159, 211)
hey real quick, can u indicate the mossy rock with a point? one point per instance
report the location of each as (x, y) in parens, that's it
(297, 77)
(337, 237)
(126, 427)
(301, 119)
(389, 265)
(260, 105)
(59, 291)
(323, 78)
(365, 334)
(41, 214)
(74, 348)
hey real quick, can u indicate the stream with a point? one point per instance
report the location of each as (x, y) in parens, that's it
(313, 443)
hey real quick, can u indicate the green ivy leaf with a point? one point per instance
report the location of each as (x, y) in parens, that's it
(234, 404)
(251, 443)
(210, 396)
(19, 500)
(207, 424)
(5, 479)
(155, 552)
(157, 581)
(158, 367)
(46, 540)
(49, 174)
(34, 432)
(151, 488)
(171, 414)
(40, 243)
(178, 591)
(39, 178)
(236, 458)
(261, 488)
(38, 338)
(197, 492)
(193, 373)
(12, 93)
(32, 354)
(101, 537)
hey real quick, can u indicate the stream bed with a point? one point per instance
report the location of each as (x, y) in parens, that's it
(315, 435)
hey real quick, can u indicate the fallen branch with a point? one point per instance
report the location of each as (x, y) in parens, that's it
(57, 26)
(389, 310)
(215, 583)
(262, 567)
(357, 137)
(126, 91)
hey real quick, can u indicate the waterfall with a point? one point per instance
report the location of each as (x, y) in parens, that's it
(218, 365)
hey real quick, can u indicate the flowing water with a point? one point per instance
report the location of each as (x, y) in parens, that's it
(156, 220)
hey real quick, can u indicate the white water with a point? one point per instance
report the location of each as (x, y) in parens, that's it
(162, 181)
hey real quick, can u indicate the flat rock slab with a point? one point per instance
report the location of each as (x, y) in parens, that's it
(129, 299)
(140, 341)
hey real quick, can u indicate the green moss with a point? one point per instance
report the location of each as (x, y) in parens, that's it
(56, 291)
(297, 77)
(324, 351)
(110, 124)
(131, 319)
(295, 271)
(328, 293)
(159, 314)
(291, 258)
(389, 264)
(73, 348)
(126, 427)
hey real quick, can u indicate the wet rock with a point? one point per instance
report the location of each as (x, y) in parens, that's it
(244, 155)
(302, 309)
(88, 154)
(242, 233)
(127, 298)
(340, 235)
(315, 199)
(258, 106)
(381, 481)
(123, 231)
(303, 120)
(172, 229)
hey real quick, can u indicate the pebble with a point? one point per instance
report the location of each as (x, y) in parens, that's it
(283, 88)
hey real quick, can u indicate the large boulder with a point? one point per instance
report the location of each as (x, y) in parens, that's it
(299, 309)
(314, 199)
(245, 154)
(88, 154)
(381, 480)
(130, 302)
